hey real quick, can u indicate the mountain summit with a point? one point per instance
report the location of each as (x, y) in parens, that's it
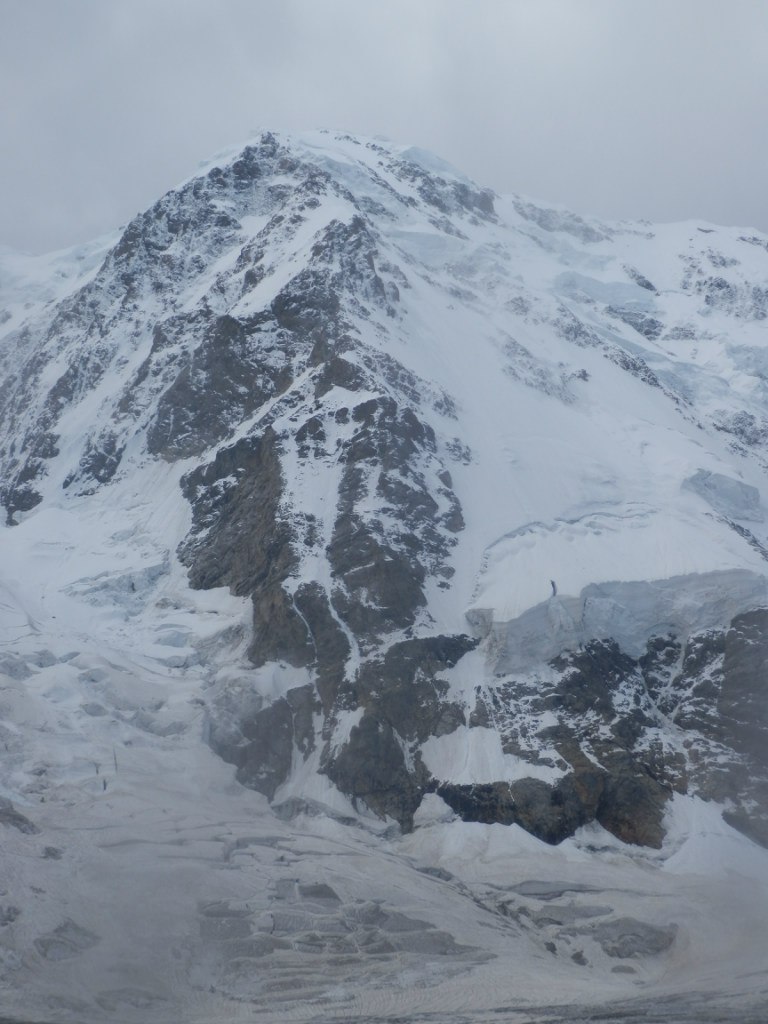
(414, 510)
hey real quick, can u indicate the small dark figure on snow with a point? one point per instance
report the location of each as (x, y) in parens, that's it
(554, 588)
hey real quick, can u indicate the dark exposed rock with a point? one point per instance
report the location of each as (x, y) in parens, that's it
(743, 426)
(616, 771)
(261, 745)
(177, 240)
(742, 722)
(336, 372)
(692, 694)
(404, 703)
(548, 812)
(644, 324)
(743, 702)
(484, 802)
(590, 677)
(371, 767)
(627, 937)
(640, 279)
(15, 819)
(383, 587)
(658, 665)
(633, 364)
(8, 914)
(732, 295)
(264, 760)
(745, 820)
(229, 375)
(559, 220)
(574, 330)
(551, 813)
(101, 458)
(238, 538)
(19, 497)
(329, 642)
(404, 688)
(632, 804)
(383, 572)
(306, 305)
(446, 197)
(279, 630)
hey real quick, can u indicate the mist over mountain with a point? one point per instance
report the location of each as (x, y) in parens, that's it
(383, 606)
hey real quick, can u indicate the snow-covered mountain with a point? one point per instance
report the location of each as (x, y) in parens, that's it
(383, 601)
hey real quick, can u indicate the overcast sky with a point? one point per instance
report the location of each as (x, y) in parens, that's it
(650, 109)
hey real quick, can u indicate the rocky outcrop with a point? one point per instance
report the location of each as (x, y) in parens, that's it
(260, 741)
(684, 717)
(238, 539)
(404, 702)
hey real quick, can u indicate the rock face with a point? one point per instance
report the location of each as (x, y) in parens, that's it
(375, 423)
(628, 732)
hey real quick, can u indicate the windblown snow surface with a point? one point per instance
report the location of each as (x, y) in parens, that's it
(140, 882)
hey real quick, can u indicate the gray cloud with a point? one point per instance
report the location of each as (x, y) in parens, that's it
(652, 109)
